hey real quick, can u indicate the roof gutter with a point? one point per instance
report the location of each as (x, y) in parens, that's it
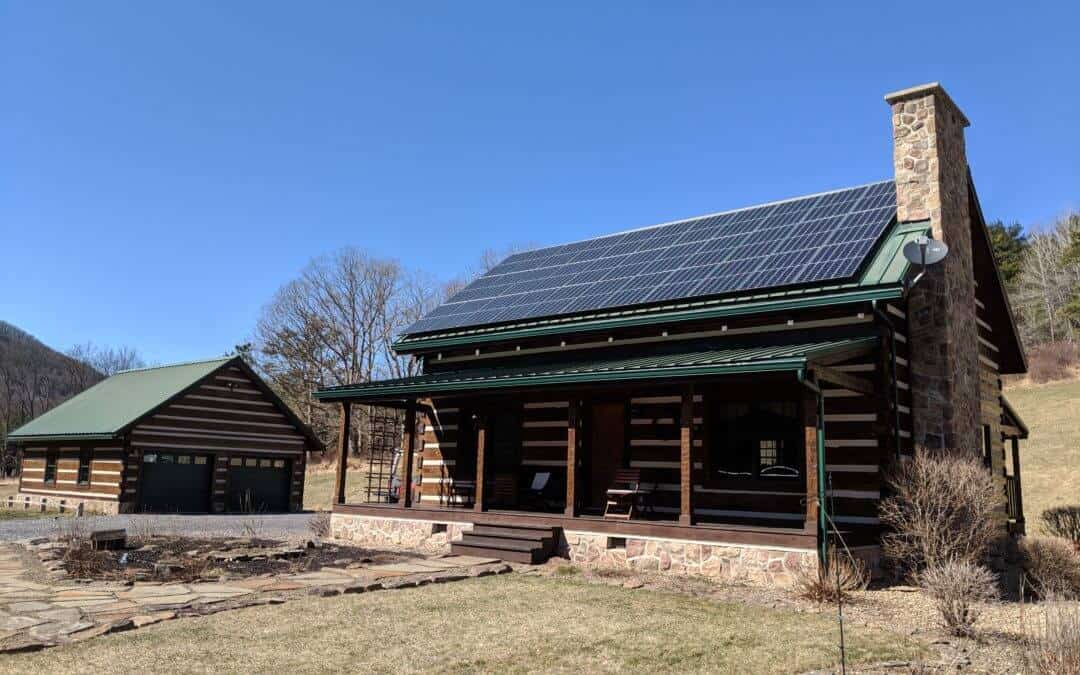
(412, 345)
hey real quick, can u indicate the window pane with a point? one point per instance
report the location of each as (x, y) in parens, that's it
(200, 459)
(183, 459)
(279, 464)
(265, 463)
(251, 462)
(149, 458)
(236, 461)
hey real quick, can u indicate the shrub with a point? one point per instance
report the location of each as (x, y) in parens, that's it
(1053, 566)
(1057, 649)
(941, 509)
(1063, 521)
(319, 524)
(842, 576)
(957, 587)
(1052, 361)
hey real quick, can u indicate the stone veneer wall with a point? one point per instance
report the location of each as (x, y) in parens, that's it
(751, 564)
(930, 163)
(423, 535)
(723, 562)
(52, 502)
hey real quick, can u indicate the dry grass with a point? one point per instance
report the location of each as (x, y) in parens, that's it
(1050, 458)
(1056, 650)
(496, 624)
(319, 485)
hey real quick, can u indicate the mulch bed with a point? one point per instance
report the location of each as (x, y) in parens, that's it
(178, 558)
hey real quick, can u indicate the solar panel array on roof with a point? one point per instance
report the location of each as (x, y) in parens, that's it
(812, 239)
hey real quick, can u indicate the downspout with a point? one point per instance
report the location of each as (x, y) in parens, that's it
(895, 380)
(823, 540)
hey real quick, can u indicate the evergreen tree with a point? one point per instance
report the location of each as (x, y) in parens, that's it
(1009, 243)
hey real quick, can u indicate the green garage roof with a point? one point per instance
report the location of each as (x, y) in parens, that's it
(700, 362)
(107, 408)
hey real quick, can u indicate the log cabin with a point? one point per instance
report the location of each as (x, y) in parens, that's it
(720, 395)
(199, 437)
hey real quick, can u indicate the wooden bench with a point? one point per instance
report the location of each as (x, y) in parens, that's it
(627, 494)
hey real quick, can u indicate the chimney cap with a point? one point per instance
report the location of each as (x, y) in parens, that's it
(923, 90)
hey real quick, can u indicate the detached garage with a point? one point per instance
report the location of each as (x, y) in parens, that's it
(201, 437)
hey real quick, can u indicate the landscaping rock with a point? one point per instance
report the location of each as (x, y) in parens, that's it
(325, 591)
(140, 620)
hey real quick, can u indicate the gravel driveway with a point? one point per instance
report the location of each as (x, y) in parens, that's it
(273, 526)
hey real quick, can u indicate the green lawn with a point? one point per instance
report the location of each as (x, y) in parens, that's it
(497, 624)
(1050, 458)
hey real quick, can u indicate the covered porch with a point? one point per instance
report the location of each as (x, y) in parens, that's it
(715, 445)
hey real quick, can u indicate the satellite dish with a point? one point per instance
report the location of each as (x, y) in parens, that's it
(922, 252)
(925, 251)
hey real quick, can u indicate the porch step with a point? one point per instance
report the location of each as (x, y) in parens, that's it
(527, 557)
(530, 533)
(516, 543)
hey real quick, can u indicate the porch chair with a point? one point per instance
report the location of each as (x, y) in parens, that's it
(627, 494)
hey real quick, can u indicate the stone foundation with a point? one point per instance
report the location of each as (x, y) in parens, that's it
(423, 535)
(33, 502)
(723, 562)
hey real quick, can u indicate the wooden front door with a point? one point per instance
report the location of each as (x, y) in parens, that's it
(607, 442)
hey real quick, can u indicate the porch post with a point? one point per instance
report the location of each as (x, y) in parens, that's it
(1019, 484)
(408, 442)
(344, 431)
(811, 442)
(686, 458)
(481, 442)
(571, 458)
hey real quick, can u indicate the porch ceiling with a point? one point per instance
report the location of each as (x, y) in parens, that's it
(702, 362)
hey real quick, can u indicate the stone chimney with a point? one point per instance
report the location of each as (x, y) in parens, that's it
(932, 185)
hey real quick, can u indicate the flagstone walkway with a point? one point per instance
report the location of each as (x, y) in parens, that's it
(35, 615)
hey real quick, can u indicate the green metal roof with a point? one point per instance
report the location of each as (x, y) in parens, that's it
(881, 280)
(104, 410)
(706, 361)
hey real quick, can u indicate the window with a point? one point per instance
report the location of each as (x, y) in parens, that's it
(755, 440)
(279, 464)
(200, 459)
(251, 462)
(236, 461)
(84, 466)
(183, 459)
(50, 466)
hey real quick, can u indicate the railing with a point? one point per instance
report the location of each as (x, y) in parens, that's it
(1012, 495)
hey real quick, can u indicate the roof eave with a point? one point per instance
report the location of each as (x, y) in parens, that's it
(36, 438)
(878, 292)
(378, 393)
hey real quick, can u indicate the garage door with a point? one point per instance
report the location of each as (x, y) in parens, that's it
(258, 484)
(175, 482)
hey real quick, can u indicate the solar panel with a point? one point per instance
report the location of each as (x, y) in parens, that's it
(824, 237)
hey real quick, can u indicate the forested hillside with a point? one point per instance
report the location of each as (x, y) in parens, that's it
(35, 377)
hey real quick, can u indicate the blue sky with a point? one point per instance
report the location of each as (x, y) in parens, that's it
(165, 167)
